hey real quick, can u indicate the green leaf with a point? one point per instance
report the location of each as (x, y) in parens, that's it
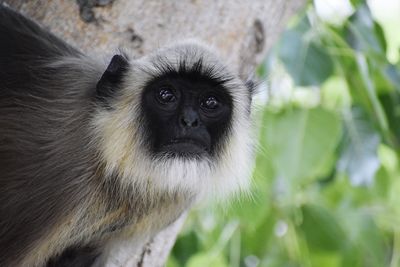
(301, 140)
(358, 157)
(257, 240)
(391, 105)
(335, 93)
(207, 259)
(306, 62)
(185, 247)
(366, 35)
(370, 90)
(382, 183)
(356, 3)
(352, 257)
(172, 262)
(326, 259)
(367, 238)
(321, 229)
(393, 75)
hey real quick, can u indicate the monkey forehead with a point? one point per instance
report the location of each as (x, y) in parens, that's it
(188, 52)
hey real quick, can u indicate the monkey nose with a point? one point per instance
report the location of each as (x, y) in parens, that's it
(189, 119)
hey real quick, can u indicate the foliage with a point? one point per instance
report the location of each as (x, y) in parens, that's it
(327, 177)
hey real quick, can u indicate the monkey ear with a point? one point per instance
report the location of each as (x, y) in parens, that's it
(251, 86)
(250, 81)
(111, 79)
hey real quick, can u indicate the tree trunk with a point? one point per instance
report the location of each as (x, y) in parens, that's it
(241, 30)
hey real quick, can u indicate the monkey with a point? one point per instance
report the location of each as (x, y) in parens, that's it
(93, 151)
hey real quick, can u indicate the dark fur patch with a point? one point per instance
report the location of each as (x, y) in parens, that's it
(111, 80)
(76, 256)
(28, 39)
(45, 163)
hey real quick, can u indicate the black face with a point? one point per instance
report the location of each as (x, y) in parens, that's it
(186, 115)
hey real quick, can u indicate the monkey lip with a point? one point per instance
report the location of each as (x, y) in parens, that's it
(187, 141)
(185, 146)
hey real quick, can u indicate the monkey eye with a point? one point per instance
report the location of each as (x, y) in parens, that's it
(210, 103)
(165, 95)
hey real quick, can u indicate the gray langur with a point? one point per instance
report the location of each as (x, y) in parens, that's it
(93, 152)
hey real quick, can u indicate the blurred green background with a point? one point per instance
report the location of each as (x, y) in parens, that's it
(326, 189)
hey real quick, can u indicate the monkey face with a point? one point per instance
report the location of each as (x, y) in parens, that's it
(177, 120)
(187, 116)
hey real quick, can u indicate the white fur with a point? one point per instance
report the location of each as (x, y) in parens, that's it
(120, 135)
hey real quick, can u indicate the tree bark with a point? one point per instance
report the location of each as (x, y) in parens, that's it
(242, 31)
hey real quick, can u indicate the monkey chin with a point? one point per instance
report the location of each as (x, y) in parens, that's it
(186, 149)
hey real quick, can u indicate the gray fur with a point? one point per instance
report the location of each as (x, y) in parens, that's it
(75, 173)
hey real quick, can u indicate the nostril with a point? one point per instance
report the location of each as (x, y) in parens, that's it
(189, 118)
(189, 122)
(183, 121)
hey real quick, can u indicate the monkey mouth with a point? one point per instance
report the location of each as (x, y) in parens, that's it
(185, 147)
